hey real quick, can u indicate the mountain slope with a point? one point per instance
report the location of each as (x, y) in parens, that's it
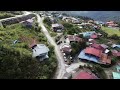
(97, 15)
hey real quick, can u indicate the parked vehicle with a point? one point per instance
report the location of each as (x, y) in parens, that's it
(65, 60)
(59, 42)
(68, 62)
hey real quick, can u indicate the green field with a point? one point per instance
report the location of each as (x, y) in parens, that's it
(111, 31)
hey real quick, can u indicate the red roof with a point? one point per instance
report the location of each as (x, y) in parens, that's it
(97, 46)
(94, 36)
(115, 53)
(85, 75)
(93, 51)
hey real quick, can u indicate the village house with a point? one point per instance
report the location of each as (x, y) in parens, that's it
(53, 20)
(111, 24)
(71, 20)
(115, 46)
(60, 16)
(95, 53)
(66, 49)
(90, 21)
(99, 23)
(85, 75)
(57, 27)
(73, 38)
(88, 34)
(94, 36)
(115, 53)
(75, 21)
(67, 19)
(40, 52)
(91, 41)
(28, 23)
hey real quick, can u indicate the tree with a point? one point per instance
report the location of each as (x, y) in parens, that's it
(67, 25)
(47, 21)
(114, 36)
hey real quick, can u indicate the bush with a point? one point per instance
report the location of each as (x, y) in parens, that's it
(47, 21)
(114, 36)
(99, 71)
(53, 34)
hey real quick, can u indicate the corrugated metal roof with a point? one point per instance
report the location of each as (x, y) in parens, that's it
(93, 51)
(82, 55)
(40, 49)
(85, 75)
(116, 75)
(74, 38)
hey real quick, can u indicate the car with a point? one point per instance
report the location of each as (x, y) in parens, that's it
(68, 62)
(71, 59)
(59, 42)
(65, 60)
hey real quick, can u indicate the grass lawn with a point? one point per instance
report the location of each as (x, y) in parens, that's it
(111, 31)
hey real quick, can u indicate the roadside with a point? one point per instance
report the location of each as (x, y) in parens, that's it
(61, 67)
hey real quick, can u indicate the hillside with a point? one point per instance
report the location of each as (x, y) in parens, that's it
(97, 15)
(16, 60)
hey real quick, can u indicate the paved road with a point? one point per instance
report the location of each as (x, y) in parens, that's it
(61, 66)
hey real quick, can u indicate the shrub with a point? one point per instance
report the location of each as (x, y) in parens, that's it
(114, 36)
(47, 21)
(53, 34)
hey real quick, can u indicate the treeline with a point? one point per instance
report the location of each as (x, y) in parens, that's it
(84, 18)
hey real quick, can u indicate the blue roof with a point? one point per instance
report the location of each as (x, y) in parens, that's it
(88, 34)
(114, 45)
(82, 55)
(116, 75)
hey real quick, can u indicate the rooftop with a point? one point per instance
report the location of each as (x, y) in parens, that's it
(57, 25)
(94, 36)
(93, 51)
(104, 46)
(40, 49)
(66, 48)
(116, 75)
(105, 59)
(82, 55)
(115, 53)
(85, 75)
(97, 46)
(74, 38)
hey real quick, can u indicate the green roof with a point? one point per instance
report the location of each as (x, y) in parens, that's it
(116, 75)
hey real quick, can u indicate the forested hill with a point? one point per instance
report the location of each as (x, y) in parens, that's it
(97, 15)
